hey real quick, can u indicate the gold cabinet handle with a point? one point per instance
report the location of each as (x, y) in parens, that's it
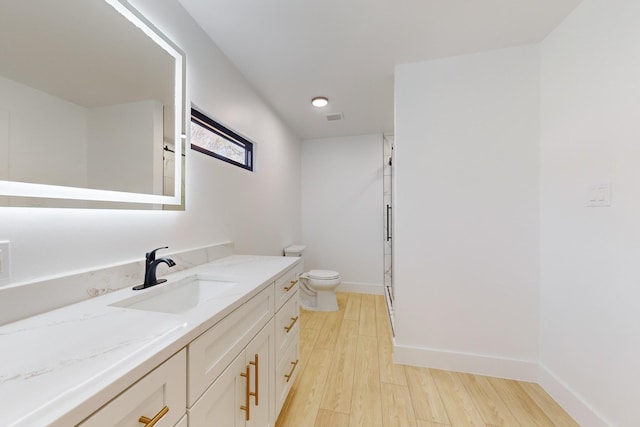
(294, 320)
(150, 422)
(255, 363)
(293, 368)
(293, 283)
(247, 406)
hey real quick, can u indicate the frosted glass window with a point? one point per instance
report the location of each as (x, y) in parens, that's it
(211, 138)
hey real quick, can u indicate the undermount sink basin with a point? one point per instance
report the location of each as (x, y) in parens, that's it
(179, 296)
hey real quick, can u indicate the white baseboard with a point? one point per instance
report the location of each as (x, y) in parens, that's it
(493, 366)
(570, 401)
(361, 288)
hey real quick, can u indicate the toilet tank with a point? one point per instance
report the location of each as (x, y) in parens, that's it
(294, 250)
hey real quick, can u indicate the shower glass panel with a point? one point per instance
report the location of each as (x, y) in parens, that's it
(387, 159)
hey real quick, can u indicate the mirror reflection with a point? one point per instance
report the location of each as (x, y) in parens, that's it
(87, 99)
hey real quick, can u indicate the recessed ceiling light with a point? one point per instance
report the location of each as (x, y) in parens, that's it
(319, 101)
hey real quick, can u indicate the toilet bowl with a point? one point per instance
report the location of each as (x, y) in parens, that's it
(318, 290)
(317, 287)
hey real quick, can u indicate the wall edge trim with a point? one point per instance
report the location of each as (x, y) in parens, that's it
(361, 288)
(472, 363)
(569, 399)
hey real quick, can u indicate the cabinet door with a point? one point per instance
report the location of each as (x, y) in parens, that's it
(259, 357)
(221, 404)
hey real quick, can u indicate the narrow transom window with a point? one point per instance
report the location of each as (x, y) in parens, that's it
(212, 138)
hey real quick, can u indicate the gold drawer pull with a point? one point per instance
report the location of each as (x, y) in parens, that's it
(255, 379)
(294, 320)
(293, 283)
(150, 422)
(293, 368)
(247, 397)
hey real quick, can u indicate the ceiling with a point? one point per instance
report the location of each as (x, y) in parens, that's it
(293, 50)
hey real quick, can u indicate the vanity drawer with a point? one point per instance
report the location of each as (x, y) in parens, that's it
(287, 284)
(162, 388)
(214, 350)
(286, 373)
(287, 324)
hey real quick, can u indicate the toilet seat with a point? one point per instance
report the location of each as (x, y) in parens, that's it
(323, 274)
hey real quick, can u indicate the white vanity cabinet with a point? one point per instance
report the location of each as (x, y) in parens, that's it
(231, 368)
(286, 372)
(287, 285)
(261, 367)
(243, 394)
(160, 395)
(287, 326)
(236, 373)
(211, 353)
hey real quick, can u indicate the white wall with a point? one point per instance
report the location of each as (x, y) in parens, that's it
(342, 209)
(259, 211)
(590, 257)
(466, 213)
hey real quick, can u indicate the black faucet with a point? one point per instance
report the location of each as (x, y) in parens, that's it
(150, 269)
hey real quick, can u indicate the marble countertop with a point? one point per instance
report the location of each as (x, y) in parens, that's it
(57, 368)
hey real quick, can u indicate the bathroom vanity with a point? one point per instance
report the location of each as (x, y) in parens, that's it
(215, 345)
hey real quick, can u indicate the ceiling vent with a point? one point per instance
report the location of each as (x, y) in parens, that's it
(334, 116)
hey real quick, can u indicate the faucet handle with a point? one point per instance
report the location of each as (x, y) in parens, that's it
(151, 255)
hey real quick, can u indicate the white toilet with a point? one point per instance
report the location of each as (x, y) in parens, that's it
(317, 287)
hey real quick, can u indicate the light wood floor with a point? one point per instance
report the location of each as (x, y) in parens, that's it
(347, 378)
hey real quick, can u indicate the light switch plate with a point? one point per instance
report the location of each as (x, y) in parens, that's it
(599, 195)
(5, 261)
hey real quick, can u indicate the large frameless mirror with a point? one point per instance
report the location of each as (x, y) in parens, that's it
(91, 107)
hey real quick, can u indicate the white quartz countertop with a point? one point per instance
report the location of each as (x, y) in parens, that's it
(57, 368)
